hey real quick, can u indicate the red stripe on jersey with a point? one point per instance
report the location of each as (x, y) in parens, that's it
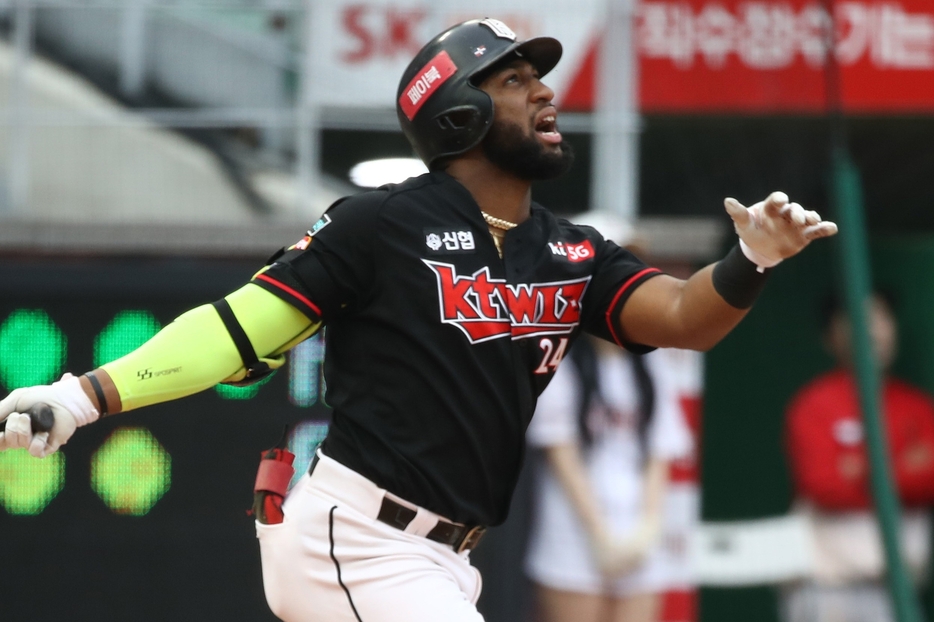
(626, 285)
(291, 292)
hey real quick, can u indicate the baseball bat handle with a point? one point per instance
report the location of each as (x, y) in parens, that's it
(40, 416)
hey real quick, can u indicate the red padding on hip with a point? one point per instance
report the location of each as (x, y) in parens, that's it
(274, 474)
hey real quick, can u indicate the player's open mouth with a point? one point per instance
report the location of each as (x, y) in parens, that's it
(546, 126)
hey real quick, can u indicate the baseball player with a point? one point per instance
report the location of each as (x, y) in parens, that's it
(449, 300)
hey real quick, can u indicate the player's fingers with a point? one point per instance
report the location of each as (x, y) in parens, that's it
(38, 445)
(18, 432)
(811, 217)
(737, 212)
(55, 441)
(794, 213)
(51, 446)
(824, 229)
(773, 205)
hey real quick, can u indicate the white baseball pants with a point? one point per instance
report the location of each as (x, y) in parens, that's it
(332, 561)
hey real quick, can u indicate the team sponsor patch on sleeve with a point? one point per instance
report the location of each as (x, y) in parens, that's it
(425, 83)
(306, 240)
(321, 224)
(301, 244)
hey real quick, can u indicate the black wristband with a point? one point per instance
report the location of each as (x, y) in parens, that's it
(738, 280)
(99, 392)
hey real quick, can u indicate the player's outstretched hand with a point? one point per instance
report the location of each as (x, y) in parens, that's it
(774, 229)
(69, 404)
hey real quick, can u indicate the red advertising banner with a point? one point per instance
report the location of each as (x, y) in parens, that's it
(770, 56)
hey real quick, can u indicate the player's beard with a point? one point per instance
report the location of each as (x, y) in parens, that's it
(510, 148)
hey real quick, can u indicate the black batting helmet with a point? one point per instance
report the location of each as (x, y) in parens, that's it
(441, 110)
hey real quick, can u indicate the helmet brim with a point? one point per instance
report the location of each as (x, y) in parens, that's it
(543, 52)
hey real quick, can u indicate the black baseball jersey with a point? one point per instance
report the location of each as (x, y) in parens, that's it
(437, 348)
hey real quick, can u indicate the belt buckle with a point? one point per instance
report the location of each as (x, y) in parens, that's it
(471, 539)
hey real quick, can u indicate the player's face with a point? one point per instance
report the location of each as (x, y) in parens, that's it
(524, 138)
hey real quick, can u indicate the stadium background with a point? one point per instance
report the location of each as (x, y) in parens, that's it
(153, 154)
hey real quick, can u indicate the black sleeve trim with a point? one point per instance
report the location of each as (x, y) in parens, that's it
(290, 295)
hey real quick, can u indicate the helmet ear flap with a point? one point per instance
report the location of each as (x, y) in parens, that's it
(457, 118)
(460, 128)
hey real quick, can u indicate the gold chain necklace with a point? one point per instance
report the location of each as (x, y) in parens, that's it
(498, 223)
(498, 228)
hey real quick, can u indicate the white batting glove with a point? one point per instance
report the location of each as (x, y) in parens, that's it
(70, 405)
(774, 229)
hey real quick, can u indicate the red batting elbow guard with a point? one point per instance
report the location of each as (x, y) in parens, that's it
(272, 481)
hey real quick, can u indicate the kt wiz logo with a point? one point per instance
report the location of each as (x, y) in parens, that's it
(485, 308)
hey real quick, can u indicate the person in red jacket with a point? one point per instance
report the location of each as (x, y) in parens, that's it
(829, 466)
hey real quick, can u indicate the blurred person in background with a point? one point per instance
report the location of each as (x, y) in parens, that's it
(829, 465)
(608, 426)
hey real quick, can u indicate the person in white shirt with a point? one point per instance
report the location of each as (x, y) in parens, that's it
(608, 426)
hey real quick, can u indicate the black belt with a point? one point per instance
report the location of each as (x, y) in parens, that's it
(458, 537)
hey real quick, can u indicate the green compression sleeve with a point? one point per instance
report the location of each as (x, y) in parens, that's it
(195, 352)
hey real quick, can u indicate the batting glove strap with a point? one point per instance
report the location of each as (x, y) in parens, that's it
(72, 398)
(762, 262)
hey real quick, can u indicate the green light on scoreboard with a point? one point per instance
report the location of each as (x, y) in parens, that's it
(32, 349)
(28, 485)
(230, 392)
(304, 439)
(131, 471)
(306, 372)
(127, 331)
